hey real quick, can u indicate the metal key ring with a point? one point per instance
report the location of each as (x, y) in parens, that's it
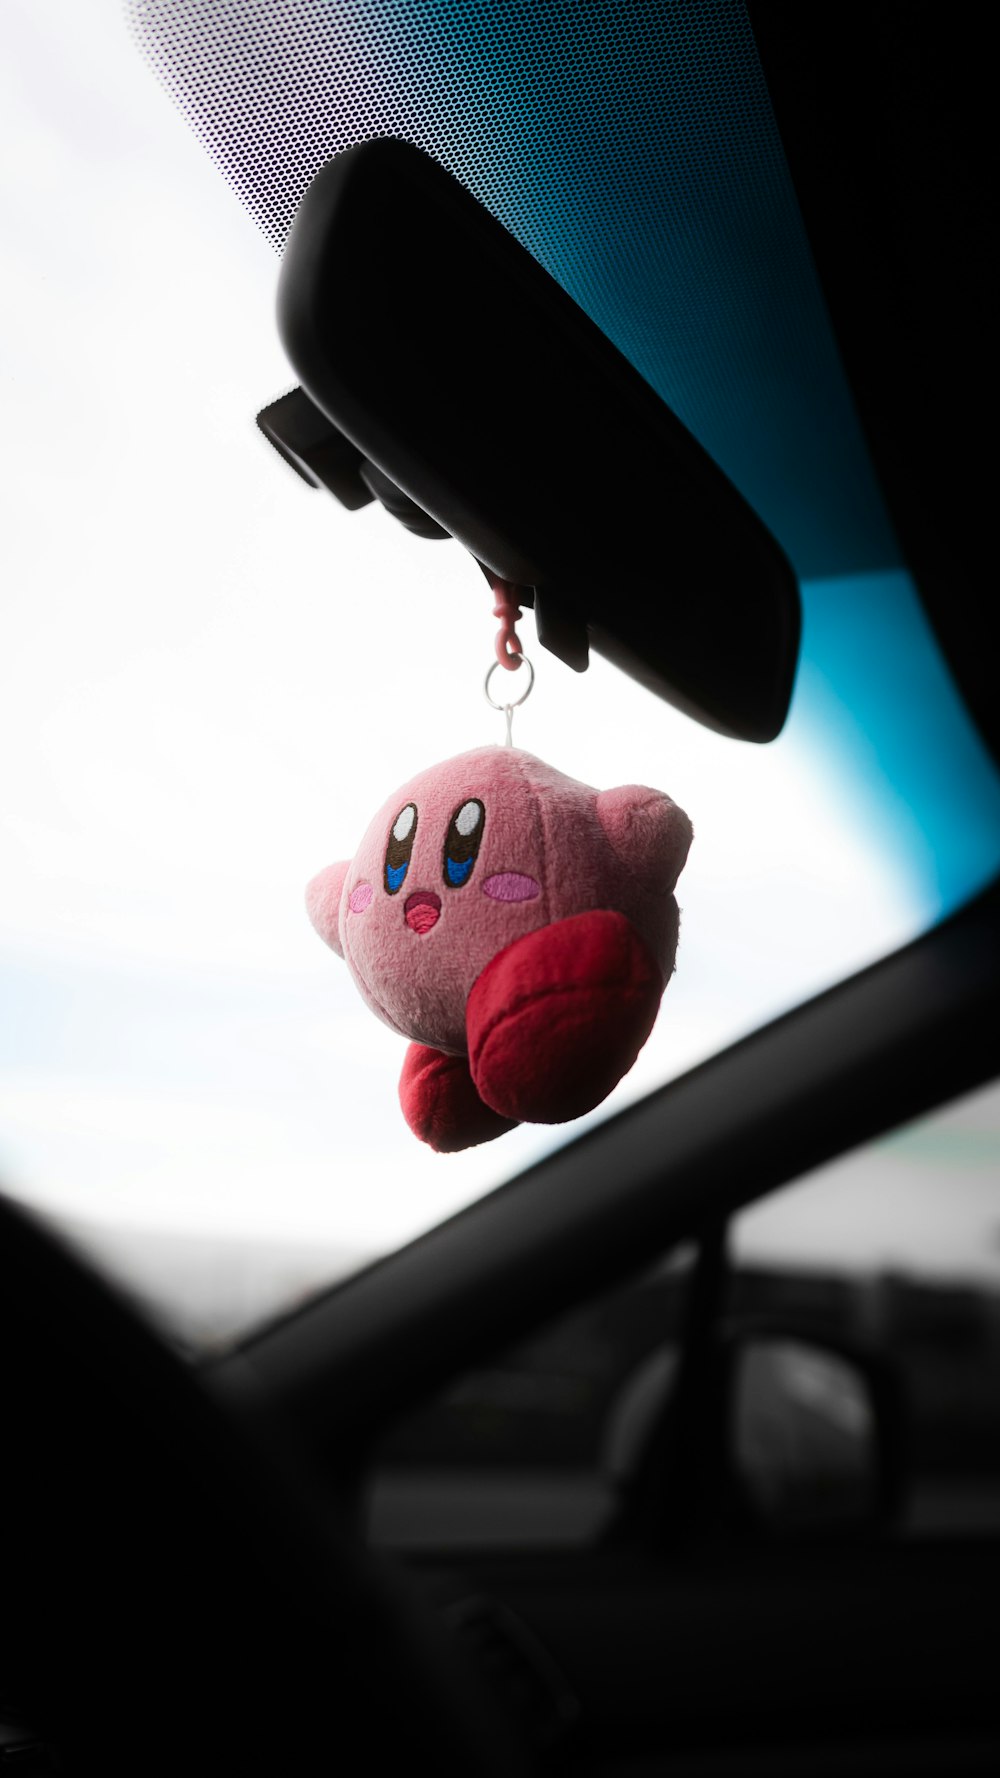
(509, 703)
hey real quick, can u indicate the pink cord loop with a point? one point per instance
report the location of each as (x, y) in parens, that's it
(506, 608)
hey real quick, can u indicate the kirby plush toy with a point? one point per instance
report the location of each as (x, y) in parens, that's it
(518, 927)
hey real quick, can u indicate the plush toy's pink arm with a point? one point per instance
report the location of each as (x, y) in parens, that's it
(323, 903)
(650, 834)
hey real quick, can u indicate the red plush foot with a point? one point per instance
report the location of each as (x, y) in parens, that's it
(559, 1016)
(441, 1105)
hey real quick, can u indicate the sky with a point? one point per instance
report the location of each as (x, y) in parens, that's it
(212, 677)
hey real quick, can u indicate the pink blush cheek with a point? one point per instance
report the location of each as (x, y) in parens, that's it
(361, 898)
(511, 886)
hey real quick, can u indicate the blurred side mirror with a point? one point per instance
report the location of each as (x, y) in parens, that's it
(810, 1435)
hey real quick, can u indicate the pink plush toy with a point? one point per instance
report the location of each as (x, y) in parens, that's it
(519, 927)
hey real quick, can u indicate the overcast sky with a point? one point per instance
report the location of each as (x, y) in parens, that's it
(212, 677)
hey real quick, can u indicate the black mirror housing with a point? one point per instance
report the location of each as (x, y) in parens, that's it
(448, 358)
(812, 1433)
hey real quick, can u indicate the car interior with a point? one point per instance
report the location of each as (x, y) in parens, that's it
(678, 1450)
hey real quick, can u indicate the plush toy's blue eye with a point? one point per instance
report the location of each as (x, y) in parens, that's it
(461, 847)
(400, 848)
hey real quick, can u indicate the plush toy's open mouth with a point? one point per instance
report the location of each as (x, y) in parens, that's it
(422, 910)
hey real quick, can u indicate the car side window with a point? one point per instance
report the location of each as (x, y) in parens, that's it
(895, 1249)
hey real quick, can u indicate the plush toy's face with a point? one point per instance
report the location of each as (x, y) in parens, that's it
(477, 852)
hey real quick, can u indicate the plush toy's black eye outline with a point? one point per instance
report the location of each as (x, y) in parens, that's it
(402, 834)
(464, 838)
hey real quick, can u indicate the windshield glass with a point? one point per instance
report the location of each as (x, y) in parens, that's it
(212, 678)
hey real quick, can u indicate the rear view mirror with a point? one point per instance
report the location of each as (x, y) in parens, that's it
(446, 372)
(807, 1445)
